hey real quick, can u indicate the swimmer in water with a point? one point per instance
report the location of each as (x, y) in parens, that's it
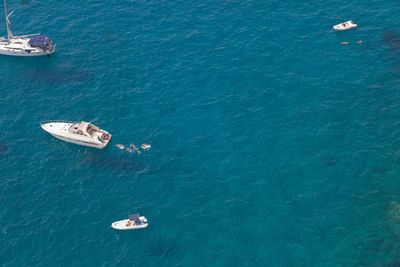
(135, 148)
(146, 147)
(344, 42)
(120, 146)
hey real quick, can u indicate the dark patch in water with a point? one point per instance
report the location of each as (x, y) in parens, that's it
(330, 161)
(378, 246)
(392, 39)
(371, 45)
(26, 3)
(162, 251)
(110, 36)
(58, 76)
(120, 164)
(394, 263)
(379, 170)
(3, 148)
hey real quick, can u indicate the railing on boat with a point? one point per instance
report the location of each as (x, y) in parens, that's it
(50, 121)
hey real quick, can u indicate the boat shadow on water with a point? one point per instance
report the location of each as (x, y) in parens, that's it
(26, 3)
(3, 148)
(392, 40)
(162, 250)
(100, 160)
(330, 160)
(57, 76)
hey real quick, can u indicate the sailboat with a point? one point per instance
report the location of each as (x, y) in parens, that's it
(24, 45)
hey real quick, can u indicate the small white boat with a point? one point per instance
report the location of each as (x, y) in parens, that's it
(345, 26)
(80, 133)
(24, 45)
(134, 222)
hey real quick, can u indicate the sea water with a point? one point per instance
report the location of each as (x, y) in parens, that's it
(273, 144)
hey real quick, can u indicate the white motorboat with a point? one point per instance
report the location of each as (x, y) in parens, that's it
(134, 222)
(80, 133)
(24, 45)
(345, 26)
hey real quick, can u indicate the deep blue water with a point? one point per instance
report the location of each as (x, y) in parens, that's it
(272, 143)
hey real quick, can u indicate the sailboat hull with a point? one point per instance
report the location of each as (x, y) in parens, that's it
(24, 52)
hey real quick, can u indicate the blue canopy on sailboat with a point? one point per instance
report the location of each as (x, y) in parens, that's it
(134, 217)
(39, 41)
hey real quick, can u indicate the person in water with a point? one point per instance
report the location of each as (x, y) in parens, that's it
(146, 147)
(135, 148)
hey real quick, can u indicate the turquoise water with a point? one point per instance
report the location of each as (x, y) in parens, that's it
(272, 143)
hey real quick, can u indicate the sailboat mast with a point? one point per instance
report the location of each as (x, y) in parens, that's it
(9, 33)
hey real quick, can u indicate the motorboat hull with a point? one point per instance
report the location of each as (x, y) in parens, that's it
(78, 142)
(60, 131)
(121, 225)
(348, 25)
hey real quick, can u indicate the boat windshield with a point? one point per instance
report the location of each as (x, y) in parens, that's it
(80, 128)
(74, 128)
(134, 218)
